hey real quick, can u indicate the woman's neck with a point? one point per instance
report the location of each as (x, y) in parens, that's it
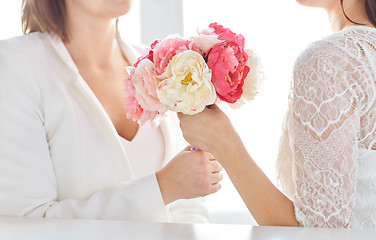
(92, 41)
(354, 10)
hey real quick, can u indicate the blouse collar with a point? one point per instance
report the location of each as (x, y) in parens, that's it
(129, 52)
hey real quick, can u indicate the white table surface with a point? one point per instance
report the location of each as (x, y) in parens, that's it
(26, 228)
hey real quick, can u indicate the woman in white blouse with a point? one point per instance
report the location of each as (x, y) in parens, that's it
(327, 159)
(67, 149)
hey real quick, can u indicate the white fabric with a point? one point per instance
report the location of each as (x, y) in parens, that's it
(60, 155)
(327, 159)
(142, 160)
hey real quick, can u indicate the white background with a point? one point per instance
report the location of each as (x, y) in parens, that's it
(277, 29)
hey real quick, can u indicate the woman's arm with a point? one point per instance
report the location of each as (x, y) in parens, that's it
(268, 205)
(211, 130)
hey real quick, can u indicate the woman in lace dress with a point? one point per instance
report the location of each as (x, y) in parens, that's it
(327, 159)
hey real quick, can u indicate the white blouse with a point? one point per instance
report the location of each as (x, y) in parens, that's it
(327, 160)
(60, 154)
(145, 151)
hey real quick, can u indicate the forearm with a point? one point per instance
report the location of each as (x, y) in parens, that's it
(268, 205)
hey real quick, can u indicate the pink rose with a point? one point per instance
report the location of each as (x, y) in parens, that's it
(145, 85)
(228, 64)
(165, 50)
(134, 109)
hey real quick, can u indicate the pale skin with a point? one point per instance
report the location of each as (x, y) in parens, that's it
(212, 131)
(94, 48)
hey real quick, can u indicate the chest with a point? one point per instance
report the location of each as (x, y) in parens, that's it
(107, 85)
(84, 146)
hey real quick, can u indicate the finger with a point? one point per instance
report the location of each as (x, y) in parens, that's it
(210, 156)
(215, 167)
(215, 187)
(213, 106)
(205, 155)
(180, 115)
(216, 178)
(187, 148)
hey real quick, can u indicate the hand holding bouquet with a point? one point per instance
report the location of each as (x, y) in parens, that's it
(186, 75)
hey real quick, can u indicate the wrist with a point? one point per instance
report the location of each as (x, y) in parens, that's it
(230, 149)
(168, 192)
(226, 139)
(228, 142)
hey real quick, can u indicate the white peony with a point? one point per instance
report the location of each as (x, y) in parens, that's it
(206, 39)
(188, 87)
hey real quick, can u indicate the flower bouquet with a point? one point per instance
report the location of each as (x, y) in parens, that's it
(185, 75)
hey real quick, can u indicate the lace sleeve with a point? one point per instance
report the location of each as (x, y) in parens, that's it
(323, 128)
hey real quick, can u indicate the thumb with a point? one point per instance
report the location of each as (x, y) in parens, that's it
(213, 107)
(180, 115)
(187, 148)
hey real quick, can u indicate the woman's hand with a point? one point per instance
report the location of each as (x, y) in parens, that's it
(189, 174)
(209, 130)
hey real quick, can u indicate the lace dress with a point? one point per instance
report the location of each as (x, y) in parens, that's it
(327, 157)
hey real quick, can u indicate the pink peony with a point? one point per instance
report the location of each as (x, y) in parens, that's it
(148, 54)
(134, 109)
(228, 64)
(145, 85)
(165, 50)
(226, 35)
(206, 39)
